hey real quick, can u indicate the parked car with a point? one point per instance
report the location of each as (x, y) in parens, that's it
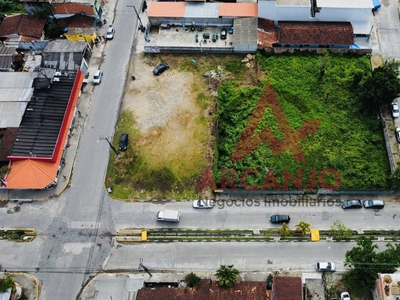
(278, 219)
(345, 296)
(203, 203)
(351, 204)
(325, 267)
(375, 204)
(397, 132)
(123, 142)
(224, 32)
(160, 68)
(215, 37)
(395, 110)
(230, 30)
(98, 75)
(110, 33)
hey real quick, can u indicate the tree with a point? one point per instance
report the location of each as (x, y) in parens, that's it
(339, 230)
(367, 263)
(394, 179)
(303, 227)
(285, 230)
(6, 283)
(381, 87)
(193, 280)
(227, 275)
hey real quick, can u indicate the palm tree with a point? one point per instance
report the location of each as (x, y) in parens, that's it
(285, 230)
(303, 227)
(227, 275)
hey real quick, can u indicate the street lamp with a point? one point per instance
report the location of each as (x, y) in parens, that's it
(112, 147)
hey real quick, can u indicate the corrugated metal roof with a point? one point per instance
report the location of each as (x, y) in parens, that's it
(238, 10)
(204, 10)
(166, 9)
(65, 46)
(7, 50)
(345, 3)
(293, 2)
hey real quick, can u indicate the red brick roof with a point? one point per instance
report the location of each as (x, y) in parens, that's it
(23, 25)
(287, 288)
(266, 33)
(77, 21)
(245, 290)
(72, 8)
(320, 33)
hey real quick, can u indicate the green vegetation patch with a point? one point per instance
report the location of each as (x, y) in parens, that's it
(308, 86)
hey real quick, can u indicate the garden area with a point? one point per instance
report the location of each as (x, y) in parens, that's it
(341, 146)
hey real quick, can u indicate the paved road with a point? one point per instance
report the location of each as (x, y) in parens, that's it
(388, 30)
(237, 216)
(246, 256)
(77, 224)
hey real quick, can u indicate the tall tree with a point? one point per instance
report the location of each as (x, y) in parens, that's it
(366, 263)
(227, 275)
(284, 230)
(381, 87)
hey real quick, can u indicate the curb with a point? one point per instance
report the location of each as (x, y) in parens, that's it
(32, 277)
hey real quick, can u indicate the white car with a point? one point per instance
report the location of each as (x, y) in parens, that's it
(345, 296)
(395, 110)
(110, 33)
(397, 132)
(325, 267)
(203, 203)
(98, 75)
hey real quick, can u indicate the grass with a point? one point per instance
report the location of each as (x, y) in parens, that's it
(308, 87)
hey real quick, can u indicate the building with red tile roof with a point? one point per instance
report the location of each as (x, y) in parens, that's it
(22, 27)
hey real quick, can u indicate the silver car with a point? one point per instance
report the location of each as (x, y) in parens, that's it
(325, 267)
(98, 75)
(374, 204)
(110, 33)
(203, 203)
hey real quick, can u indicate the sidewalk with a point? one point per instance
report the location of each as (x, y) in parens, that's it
(83, 105)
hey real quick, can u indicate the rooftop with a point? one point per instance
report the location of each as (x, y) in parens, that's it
(23, 25)
(65, 46)
(287, 288)
(40, 126)
(315, 33)
(249, 290)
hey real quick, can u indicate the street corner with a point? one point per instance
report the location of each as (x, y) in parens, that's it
(28, 284)
(115, 285)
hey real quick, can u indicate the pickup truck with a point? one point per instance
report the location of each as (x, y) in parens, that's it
(168, 216)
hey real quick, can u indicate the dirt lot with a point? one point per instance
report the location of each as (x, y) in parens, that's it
(173, 140)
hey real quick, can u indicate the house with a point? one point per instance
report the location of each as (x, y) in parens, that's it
(21, 28)
(357, 12)
(43, 133)
(65, 54)
(387, 287)
(249, 290)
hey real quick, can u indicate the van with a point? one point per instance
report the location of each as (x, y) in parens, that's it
(375, 204)
(168, 216)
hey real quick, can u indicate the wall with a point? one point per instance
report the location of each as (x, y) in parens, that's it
(155, 21)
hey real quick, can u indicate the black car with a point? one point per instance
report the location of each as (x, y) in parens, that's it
(351, 204)
(277, 219)
(224, 32)
(123, 142)
(160, 68)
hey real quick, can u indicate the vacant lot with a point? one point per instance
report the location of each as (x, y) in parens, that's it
(170, 120)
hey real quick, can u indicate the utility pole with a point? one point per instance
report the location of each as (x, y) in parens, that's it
(112, 147)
